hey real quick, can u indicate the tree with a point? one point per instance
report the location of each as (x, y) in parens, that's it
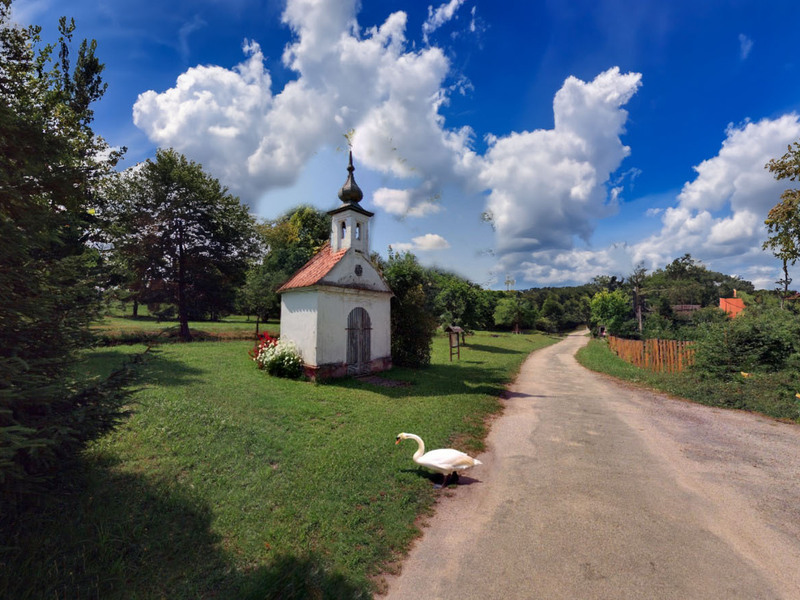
(783, 220)
(636, 281)
(687, 281)
(290, 241)
(458, 301)
(611, 310)
(412, 321)
(515, 311)
(50, 274)
(188, 237)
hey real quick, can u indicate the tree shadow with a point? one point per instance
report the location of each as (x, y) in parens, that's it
(436, 380)
(491, 349)
(163, 370)
(105, 534)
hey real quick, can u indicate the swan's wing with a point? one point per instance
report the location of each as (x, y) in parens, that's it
(447, 459)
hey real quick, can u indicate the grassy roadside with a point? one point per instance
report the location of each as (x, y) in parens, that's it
(226, 483)
(771, 394)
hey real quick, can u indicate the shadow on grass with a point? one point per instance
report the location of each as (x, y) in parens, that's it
(168, 371)
(105, 534)
(436, 380)
(491, 349)
(155, 367)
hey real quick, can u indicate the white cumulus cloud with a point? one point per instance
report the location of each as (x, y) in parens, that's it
(422, 243)
(213, 115)
(720, 213)
(547, 186)
(405, 203)
(256, 139)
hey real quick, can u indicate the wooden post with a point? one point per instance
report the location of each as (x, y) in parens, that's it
(455, 348)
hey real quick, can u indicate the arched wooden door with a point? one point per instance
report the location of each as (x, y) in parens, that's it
(359, 330)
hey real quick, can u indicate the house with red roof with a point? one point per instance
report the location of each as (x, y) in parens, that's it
(732, 306)
(336, 307)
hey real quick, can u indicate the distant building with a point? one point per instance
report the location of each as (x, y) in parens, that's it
(732, 306)
(336, 308)
(685, 309)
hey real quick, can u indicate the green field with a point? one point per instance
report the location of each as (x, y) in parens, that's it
(227, 483)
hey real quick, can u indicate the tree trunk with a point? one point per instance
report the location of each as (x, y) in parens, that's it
(183, 333)
(786, 281)
(135, 308)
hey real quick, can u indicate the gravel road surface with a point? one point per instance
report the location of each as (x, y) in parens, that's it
(595, 489)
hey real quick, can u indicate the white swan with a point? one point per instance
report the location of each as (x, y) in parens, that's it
(444, 460)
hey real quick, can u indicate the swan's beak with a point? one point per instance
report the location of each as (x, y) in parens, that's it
(397, 440)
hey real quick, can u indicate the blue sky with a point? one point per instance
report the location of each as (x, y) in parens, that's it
(596, 135)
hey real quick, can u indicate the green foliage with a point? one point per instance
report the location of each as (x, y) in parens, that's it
(291, 240)
(462, 303)
(566, 308)
(783, 220)
(611, 310)
(50, 269)
(182, 237)
(412, 316)
(755, 341)
(687, 281)
(515, 311)
(657, 326)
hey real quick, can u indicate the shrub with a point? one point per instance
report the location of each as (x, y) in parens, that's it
(412, 320)
(278, 357)
(755, 341)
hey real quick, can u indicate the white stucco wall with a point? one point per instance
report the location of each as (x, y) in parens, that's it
(299, 322)
(315, 319)
(334, 306)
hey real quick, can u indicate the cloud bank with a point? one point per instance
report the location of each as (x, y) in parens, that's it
(719, 215)
(545, 190)
(256, 140)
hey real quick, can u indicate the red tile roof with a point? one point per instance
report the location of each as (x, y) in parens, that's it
(315, 269)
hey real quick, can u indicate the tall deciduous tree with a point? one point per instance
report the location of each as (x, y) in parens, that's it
(290, 241)
(783, 220)
(611, 310)
(50, 165)
(186, 237)
(515, 311)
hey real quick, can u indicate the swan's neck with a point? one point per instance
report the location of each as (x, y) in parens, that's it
(420, 445)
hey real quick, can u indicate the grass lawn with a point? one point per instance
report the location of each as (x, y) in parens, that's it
(120, 327)
(771, 394)
(227, 483)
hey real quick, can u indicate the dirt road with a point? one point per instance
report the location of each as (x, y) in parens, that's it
(592, 489)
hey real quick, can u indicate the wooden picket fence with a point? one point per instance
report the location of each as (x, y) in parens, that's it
(670, 356)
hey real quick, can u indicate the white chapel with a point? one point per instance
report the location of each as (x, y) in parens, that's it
(336, 308)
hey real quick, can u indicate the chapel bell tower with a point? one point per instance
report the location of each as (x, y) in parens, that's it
(350, 222)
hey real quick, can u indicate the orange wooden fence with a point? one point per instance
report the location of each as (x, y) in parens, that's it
(669, 356)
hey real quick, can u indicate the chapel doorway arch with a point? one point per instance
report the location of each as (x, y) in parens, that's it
(359, 330)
